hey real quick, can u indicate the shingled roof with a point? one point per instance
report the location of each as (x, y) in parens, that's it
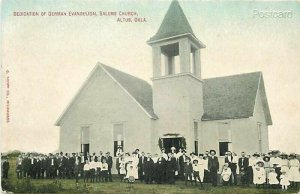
(174, 23)
(229, 97)
(233, 97)
(139, 89)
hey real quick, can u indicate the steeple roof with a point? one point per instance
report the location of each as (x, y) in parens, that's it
(174, 23)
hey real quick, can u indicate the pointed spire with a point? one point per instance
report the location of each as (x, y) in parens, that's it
(174, 23)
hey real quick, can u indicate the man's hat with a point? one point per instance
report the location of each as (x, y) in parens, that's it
(292, 155)
(173, 148)
(283, 155)
(255, 154)
(201, 155)
(212, 151)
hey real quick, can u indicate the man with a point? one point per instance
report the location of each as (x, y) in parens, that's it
(161, 169)
(163, 152)
(233, 166)
(213, 167)
(109, 163)
(101, 157)
(170, 169)
(182, 160)
(5, 168)
(32, 167)
(142, 159)
(148, 168)
(137, 151)
(243, 167)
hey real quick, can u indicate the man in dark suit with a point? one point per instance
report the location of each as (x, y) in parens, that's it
(182, 160)
(5, 168)
(213, 167)
(109, 163)
(141, 172)
(232, 166)
(171, 168)
(243, 167)
(101, 157)
(32, 167)
(148, 168)
(160, 169)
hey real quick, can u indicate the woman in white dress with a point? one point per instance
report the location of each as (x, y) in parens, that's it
(284, 163)
(202, 165)
(294, 170)
(259, 174)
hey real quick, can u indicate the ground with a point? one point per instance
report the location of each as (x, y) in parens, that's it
(69, 186)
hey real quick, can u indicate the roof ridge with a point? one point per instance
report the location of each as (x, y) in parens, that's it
(107, 66)
(233, 75)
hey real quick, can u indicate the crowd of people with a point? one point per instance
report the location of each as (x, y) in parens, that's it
(275, 169)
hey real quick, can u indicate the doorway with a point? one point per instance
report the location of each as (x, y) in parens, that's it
(167, 143)
(85, 148)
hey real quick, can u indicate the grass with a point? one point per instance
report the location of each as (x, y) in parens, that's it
(69, 186)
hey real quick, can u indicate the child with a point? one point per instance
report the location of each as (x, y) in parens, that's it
(188, 170)
(196, 172)
(92, 171)
(122, 168)
(98, 170)
(284, 180)
(130, 172)
(86, 171)
(104, 171)
(259, 174)
(226, 174)
(273, 181)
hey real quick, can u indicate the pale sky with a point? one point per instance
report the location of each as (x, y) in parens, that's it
(49, 58)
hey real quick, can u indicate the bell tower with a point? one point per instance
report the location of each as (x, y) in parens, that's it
(177, 83)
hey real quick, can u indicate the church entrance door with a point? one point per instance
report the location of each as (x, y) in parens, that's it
(168, 142)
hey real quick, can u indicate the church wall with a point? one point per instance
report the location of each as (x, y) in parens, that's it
(259, 117)
(242, 134)
(100, 105)
(177, 102)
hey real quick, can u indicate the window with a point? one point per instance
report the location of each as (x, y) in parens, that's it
(85, 139)
(259, 137)
(196, 136)
(118, 137)
(223, 147)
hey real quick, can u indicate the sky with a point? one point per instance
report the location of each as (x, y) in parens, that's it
(45, 59)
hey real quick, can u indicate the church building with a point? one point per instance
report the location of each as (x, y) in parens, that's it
(179, 108)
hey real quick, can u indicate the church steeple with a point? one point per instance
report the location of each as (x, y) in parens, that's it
(175, 39)
(174, 23)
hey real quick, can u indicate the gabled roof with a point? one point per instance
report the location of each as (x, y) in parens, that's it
(174, 23)
(138, 89)
(233, 97)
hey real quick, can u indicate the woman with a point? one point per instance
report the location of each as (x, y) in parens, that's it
(294, 167)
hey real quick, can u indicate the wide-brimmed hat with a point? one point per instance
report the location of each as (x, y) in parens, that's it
(283, 155)
(292, 155)
(265, 157)
(260, 162)
(210, 151)
(255, 154)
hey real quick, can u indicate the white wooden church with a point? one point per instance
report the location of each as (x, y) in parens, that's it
(179, 109)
